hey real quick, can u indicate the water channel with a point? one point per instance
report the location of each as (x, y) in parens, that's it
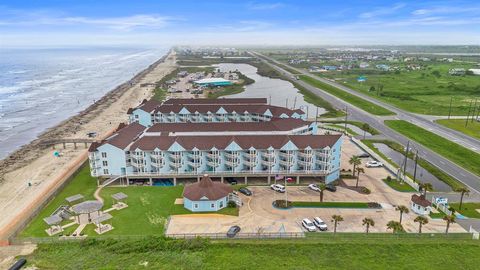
(279, 92)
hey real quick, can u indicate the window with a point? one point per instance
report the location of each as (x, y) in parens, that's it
(221, 204)
(105, 171)
(104, 155)
(105, 163)
(195, 206)
(212, 205)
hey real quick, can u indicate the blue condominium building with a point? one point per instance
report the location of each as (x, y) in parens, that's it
(251, 145)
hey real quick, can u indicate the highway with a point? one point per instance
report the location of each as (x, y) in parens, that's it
(469, 179)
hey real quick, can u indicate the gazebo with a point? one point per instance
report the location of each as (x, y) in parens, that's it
(102, 228)
(54, 223)
(87, 211)
(206, 195)
(119, 198)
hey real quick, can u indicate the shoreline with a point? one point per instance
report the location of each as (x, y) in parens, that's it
(31, 175)
(69, 125)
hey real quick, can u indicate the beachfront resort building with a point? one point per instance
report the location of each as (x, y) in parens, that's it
(213, 82)
(181, 149)
(217, 110)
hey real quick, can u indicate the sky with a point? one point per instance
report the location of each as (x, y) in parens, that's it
(51, 23)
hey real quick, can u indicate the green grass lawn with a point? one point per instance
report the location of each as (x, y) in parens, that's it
(468, 209)
(426, 91)
(398, 186)
(354, 100)
(358, 124)
(472, 129)
(340, 127)
(387, 252)
(460, 155)
(148, 207)
(331, 204)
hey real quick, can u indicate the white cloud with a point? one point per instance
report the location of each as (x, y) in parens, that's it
(382, 11)
(445, 10)
(119, 23)
(265, 6)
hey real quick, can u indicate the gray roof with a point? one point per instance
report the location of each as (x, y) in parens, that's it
(53, 220)
(119, 196)
(87, 207)
(103, 217)
(74, 198)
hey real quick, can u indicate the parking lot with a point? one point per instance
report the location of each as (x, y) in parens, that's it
(258, 215)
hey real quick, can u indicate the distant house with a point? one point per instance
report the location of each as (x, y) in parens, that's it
(457, 71)
(314, 69)
(206, 195)
(364, 65)
(330, 68)
(383, 67)
(420, 205)
(182, 73)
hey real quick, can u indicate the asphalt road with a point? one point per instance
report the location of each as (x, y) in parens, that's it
(354, 113)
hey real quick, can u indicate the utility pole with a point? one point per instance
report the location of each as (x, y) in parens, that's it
(286, 103)
(474, 108)
(450, 108)
(415, 170)
(270, 100)
(468, 115)
(346, 118)
(295, 102)
(406, 158)
(316, 117)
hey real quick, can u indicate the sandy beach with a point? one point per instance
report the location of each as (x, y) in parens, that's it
(36, 164)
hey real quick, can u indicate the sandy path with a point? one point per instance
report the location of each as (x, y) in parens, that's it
(45, 172)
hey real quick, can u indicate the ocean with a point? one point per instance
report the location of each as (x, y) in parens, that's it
(40, 88)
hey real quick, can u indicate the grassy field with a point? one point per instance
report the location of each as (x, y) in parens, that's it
(472, 129)
(468, 209)
(354, 100)
(387, 252)
(358, 124)
(460, 155)
(149, 207)
(232, 89)
(425, 91)
(398, 186)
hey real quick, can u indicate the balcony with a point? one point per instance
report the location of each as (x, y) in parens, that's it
(268, 162)
(286, 163)
(175, 165)
(213, 163)
(175, 157)
(231, 155)
(193, 164)
(285, 155)
(322, 154)
(305, 154)
(250, 156)
(268, 154)
(233, 162)
(250, 163)
(157, 164)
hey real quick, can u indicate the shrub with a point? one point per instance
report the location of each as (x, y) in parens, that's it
(231, 204)
(366, 190)
(389, 178)
(282, 204)
(374, 205)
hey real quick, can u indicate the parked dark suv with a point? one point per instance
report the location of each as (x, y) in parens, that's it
(246, 191)
(233, 231)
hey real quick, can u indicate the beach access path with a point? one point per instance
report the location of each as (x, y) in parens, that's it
(41, 173)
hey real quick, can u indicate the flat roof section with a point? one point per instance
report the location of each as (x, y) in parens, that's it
(276, 124)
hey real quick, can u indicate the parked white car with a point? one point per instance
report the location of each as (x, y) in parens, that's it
(320, 224)
(278, 188)
(308, 225)
(373, 163)
(314, 187)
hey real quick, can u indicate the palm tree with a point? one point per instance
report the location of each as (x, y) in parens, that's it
(463, 191)
(449, 219)
(322, 188)
(336, 219)
(421, 221)
(368, 222)
(355, 161)
(425, 186)
(359, 171)
(402, 209)
(395, 226)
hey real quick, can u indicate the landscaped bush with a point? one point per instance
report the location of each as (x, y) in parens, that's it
(366, 190)
(282, 204)
(231, 204)
(374, 205)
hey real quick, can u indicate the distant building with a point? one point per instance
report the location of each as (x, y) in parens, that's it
(213, 82)
(182, 73)
(383, 67)
(364, 65)
(329, 68)
(457, 71)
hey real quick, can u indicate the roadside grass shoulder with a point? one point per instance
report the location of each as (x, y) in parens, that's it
(358, 124)
(352, 99)
(439, 174)
(472, 129)
(460, 155)
(469, 209)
